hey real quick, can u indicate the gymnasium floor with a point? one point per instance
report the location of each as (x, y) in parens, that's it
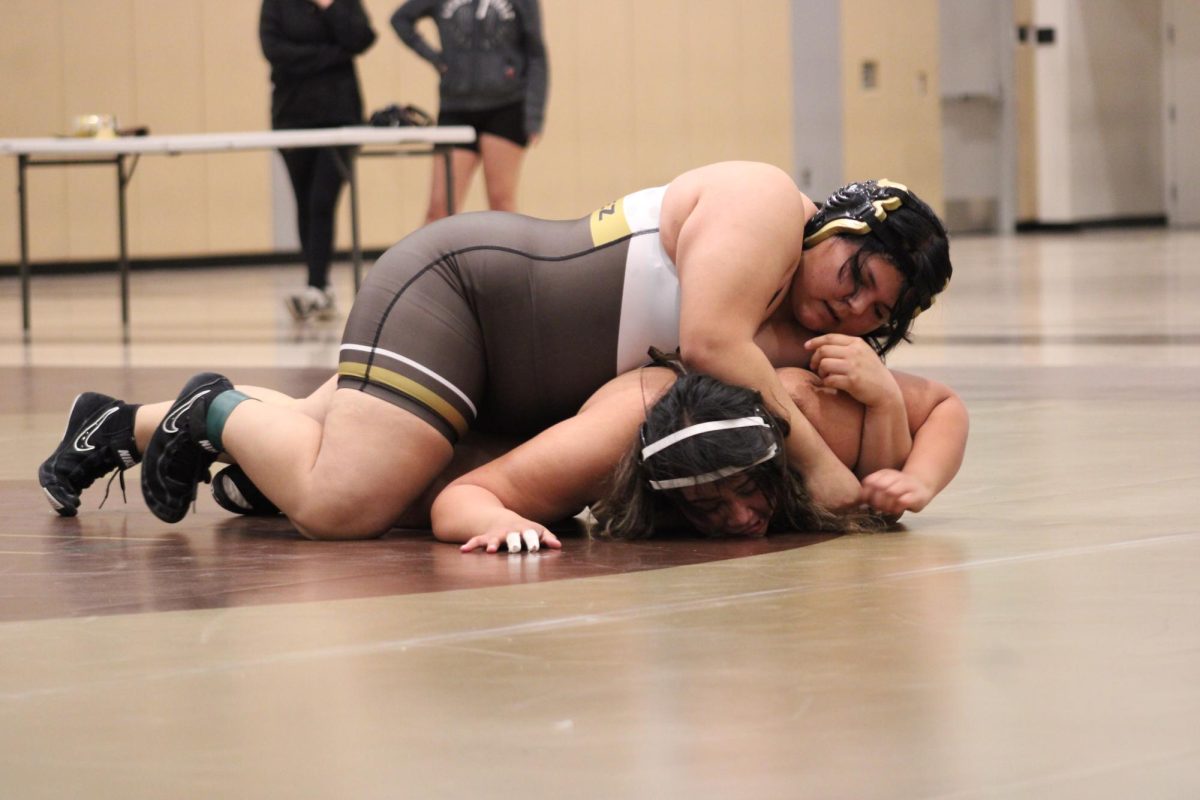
(1034, 633)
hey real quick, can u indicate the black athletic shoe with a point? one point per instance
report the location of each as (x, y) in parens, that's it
(98, 439)
(179, 454)
(234, 491)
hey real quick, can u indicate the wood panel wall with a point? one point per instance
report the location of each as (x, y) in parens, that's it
(895, 129)
(640, 91)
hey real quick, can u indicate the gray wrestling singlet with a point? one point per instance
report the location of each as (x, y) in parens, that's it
(507, 323)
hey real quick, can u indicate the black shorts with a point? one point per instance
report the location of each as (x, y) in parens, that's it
(507, 122)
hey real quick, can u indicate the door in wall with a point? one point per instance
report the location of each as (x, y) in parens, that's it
(977, 43)
(1182, 76)
(891, 106)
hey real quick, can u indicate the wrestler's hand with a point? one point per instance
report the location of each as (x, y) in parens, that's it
(848, 363)
(529, 536)
(890, 491)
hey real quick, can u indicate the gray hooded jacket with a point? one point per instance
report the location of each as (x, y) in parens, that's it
(492, 53)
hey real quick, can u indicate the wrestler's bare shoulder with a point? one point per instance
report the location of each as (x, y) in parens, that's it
(640, 387)
(750, 177)
(745, 187)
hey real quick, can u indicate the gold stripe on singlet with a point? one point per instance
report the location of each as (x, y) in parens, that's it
(609, 223)
(409, 388)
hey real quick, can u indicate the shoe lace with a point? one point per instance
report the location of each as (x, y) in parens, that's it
(120, 473)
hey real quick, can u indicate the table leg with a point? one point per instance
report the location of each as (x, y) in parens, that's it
(23, 214)
(449, 166)
(355, 236)
(123, 240)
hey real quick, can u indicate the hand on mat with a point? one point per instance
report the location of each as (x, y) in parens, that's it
(891, 491)
(848, 363)
(528, 536)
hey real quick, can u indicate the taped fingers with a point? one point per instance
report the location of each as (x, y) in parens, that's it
(532, 542)
(529, 539)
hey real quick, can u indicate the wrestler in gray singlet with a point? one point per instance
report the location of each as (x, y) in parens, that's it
(506, 323)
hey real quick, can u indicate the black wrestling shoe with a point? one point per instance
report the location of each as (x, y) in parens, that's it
(234, 491)
(98, 439)
(179, 454)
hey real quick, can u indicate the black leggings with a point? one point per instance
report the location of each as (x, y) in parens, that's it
(316, 182)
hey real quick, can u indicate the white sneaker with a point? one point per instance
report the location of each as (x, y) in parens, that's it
(312, 303)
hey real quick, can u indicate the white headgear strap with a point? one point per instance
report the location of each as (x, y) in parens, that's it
(696, 430)
(709, 477)
(699, 428)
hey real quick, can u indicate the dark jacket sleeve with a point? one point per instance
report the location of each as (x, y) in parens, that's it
(404, 22)
(537, 74)
(350, 25)
(294, 58)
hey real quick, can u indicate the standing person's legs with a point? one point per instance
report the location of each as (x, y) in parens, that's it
(501, 170)
(317, 182)
(463, 163)
(300, 163)
(324, 189)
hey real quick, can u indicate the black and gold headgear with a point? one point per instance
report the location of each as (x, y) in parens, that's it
(858, 208)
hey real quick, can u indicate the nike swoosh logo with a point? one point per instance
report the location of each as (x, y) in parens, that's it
(168, 423)
(83, 442)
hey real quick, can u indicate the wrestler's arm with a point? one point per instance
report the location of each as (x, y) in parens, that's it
(849, 364)
(939, 423)
(550, 477)
(734, 250)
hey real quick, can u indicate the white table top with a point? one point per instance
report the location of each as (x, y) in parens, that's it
(245, 140)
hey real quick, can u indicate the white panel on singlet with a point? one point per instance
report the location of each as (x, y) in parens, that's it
(650, 298)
